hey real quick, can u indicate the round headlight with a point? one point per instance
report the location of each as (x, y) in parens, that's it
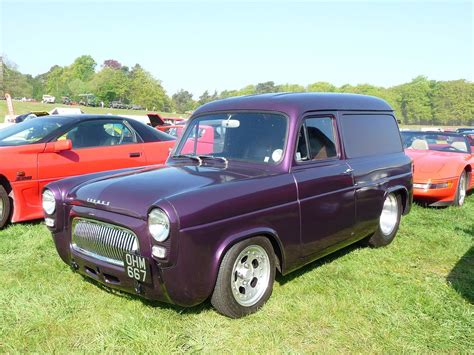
(158, 225)
(49, 202)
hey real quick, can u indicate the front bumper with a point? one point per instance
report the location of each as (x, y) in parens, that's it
(106, 273)
(434, 195)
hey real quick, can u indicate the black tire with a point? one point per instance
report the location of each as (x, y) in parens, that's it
(5, 207)
(222, 298)
(460, 197)
(381, 239)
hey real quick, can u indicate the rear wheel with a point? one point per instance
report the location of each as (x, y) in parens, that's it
(245, 278)
(389, 221)
(461, 190)
(5, 207)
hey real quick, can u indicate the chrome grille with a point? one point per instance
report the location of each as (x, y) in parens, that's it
(103, 241)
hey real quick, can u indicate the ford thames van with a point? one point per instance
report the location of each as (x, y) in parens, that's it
(285, 179)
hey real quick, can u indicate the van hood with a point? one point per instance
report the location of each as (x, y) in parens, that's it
(134, 192)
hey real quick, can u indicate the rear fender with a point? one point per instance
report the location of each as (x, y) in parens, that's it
(407, 198)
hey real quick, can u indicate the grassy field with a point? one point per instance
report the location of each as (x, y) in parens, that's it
(24, 107)
(415, 295)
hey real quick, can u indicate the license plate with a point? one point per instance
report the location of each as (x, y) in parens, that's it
(137, 267)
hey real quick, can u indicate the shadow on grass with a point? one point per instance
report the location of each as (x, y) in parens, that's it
(207, 304)
(178, 309)
(461, 277)
(317, 263)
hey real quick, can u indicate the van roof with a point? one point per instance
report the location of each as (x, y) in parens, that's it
(298, 103)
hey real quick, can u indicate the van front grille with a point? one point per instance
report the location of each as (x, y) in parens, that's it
(104, 241)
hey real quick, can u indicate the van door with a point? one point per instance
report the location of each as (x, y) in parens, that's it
(373, 149)
(325, 186)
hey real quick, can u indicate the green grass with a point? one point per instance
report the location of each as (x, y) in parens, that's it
(416, 295)
(24, 107)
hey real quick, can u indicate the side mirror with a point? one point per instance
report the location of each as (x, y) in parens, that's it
(62, 145)
(58, 146)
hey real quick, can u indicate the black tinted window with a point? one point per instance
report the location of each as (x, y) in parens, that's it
(316, 139)
(366, 135)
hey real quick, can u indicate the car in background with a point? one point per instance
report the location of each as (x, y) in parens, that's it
(293, 178)
(38, 151)
(48, 99)
(470, 137)
(443, 166)
(464, 129)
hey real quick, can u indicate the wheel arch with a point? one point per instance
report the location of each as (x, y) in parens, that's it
(268, 233)
(468, 170)
(403, 192)
(5, 183)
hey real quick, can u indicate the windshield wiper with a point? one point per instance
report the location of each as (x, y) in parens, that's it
(213, 157)
(188, 156)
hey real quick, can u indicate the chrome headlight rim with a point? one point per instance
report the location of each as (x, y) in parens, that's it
(159, 224)
(48, 202)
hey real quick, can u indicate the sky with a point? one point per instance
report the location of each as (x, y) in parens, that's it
(218, 45)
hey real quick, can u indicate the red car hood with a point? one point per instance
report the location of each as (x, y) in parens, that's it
(434, 165)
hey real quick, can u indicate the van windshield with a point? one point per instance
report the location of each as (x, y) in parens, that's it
(245, 136)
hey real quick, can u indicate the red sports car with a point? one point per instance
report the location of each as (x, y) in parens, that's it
(443, 166)
(36, 152)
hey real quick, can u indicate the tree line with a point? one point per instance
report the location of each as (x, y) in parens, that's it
(420, 101)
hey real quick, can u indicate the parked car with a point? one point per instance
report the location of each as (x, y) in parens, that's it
(464, 129)
(294, 177)
(443, 165)
(38, 151)
(48, 99)
(118, 104)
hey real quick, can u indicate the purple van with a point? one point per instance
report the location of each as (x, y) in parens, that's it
(283, 179)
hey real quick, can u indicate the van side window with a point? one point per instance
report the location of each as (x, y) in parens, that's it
(316, 140)
(366, 135)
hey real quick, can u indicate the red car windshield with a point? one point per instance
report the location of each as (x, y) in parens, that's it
(29, 132)
(435, 141)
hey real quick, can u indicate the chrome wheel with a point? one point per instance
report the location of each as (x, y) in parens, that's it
(389, 216)
(1, 209)
(250, 275)
(462, 189)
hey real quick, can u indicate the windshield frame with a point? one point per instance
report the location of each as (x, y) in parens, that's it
(447, 134)
(181, 140)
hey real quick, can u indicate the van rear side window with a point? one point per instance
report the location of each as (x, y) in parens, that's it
(366, 135)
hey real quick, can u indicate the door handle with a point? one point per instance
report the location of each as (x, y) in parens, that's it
(347, 171)
(135, 155)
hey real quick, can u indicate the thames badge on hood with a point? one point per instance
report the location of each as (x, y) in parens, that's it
(98, 202)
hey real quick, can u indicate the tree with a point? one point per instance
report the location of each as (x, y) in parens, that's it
(147, 91)
(183, 101)
(321, 86)
(112, 63)
(415, 101)
(110, 85)
(83, 68)
(14, 82)
(266, 87)
(290, 88)
(453, 102)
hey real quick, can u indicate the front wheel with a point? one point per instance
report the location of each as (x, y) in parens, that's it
(245, 279)
(389, 221)
(461, 190)
(5, 207)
